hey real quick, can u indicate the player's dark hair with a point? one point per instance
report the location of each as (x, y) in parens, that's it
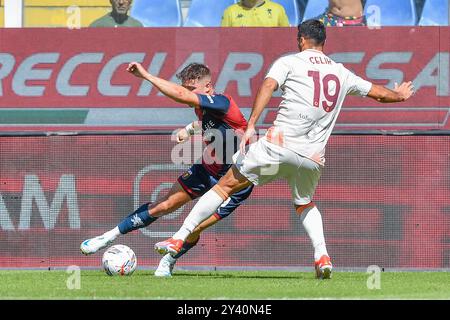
(193, 71)
(312, 29)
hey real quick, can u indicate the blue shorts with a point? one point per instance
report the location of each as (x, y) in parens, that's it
(196, 181)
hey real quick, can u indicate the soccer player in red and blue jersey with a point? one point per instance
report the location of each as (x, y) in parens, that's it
(220, 120)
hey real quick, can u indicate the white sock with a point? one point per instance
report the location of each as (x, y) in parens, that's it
(170, 258)
(112, 234)
(312, 222)
(202, 210)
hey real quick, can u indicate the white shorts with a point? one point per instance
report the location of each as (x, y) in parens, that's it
(265, 162)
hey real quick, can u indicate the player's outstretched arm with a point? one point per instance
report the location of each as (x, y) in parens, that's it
(169, 89)
(400, 93)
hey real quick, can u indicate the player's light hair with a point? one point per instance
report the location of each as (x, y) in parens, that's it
(193, 71)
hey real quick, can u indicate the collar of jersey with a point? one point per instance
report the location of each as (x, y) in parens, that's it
(260, 5)
(314, 50)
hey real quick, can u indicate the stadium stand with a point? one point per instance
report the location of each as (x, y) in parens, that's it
(292, 10)
(158, 13)
(50, 13)
(435, 13)
(314, 8)
(206, 13)
(390, 13)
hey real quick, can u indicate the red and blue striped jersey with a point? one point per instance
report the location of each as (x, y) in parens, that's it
(221, 120)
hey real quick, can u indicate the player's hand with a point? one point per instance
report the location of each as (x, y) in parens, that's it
(248, 136)
(136, 69)
(182, 136)
(405, 90)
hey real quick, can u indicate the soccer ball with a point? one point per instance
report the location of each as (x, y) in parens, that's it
(119, 260)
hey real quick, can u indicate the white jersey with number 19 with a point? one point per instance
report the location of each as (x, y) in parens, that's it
(314, 88)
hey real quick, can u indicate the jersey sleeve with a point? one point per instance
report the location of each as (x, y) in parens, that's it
(279, 71)
(357, 86)
(217, 103)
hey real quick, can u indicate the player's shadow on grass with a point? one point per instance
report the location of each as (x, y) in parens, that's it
(211, 275)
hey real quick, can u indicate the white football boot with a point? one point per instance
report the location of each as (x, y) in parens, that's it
(91, 246)
(165, 266)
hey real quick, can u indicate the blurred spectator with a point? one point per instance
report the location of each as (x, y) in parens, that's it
(342, 13)
(255, 13)
(118, 17)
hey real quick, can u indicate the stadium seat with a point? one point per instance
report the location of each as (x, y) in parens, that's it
(314, 8)
(292, 10)
(434, 13)
(206, 13)
(390, 13)
(158, 13)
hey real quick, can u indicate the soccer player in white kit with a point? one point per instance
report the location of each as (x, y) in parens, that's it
(314, 88)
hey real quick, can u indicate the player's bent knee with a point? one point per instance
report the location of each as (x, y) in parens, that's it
(301, 208)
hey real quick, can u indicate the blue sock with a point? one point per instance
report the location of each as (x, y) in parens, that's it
(138, 219)
(185, 248)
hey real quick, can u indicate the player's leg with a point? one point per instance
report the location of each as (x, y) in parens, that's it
(312, 222)
(195, 181)
(140, 218)
(168, 261)
(260, 165)
(194, 237)
(303, 185)
(150, 212)
(225, 209)
(232, 181)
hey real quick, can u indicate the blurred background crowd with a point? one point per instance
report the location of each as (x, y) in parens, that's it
(226, 13)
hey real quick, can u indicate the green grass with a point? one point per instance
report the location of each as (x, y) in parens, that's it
(240, 285)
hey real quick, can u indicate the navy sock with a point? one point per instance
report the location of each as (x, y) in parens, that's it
(185, 248)
(138, 219)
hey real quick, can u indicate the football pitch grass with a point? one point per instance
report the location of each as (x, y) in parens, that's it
(224, 285)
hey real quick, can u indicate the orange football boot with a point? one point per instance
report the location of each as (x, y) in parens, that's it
(323, 267)
(170, 245)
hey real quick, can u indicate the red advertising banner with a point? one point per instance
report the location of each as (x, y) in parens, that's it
(384, 201)
(76, 79)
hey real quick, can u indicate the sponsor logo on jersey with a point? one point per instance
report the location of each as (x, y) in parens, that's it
(211, 100)
(186, 175)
